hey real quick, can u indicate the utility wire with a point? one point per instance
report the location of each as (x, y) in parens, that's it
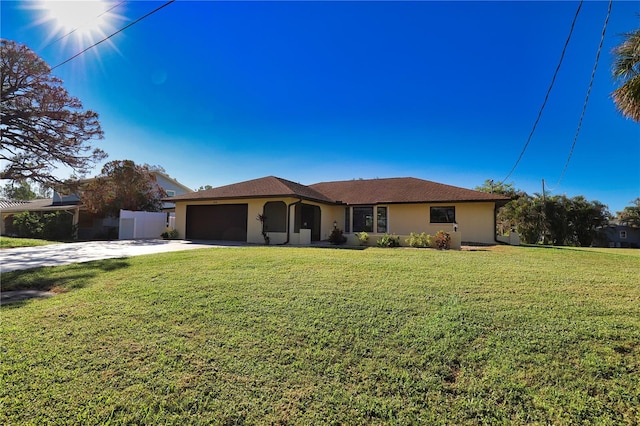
(544, 103)
(117, 32)
(586, 99)
(76, 29)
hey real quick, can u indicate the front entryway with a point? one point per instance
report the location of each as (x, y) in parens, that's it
(308, 217)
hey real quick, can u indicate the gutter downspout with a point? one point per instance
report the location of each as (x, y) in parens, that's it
(495, 223)
(289, 220)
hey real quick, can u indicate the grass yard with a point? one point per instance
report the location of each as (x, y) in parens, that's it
(10, 242)
(274, 335)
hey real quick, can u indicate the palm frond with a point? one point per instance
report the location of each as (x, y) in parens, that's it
(626, 70)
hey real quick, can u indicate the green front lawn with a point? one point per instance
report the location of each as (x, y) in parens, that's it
(10, 242)
(274, 335)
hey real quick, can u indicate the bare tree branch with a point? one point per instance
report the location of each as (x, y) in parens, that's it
(42, 127)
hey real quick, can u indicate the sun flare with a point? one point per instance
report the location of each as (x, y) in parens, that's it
(83, 16)
(77, 21)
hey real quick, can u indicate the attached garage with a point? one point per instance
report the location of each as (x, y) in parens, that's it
(225, 222)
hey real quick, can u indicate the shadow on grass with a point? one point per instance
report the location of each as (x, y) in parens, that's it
(59, 278)
(340, 247)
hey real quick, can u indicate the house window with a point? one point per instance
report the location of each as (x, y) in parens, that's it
(623, 235)
(347, 219)
(275, 214)
(363, 219)
(443, 214)
(382, 219)
(170, 193)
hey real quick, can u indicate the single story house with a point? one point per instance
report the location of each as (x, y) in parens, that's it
(300, 214)
(44, 205)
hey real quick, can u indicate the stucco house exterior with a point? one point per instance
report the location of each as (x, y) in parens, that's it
(301, 214)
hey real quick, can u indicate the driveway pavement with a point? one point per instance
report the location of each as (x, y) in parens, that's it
(64, 254)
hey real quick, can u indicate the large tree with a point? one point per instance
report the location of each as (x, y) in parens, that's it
(626, 70)
(555, 219)
(19, 191)
(122, 185)
(508, 216)
(631, 214)
(42, 127)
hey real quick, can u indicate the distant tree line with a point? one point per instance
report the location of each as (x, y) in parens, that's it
(550, 219)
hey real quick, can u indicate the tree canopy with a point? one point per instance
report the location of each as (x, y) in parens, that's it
(122, 185)
(556, 219)
(626, 70)
(631, 214)
(19, 191)
(506, 189)
(42, 127)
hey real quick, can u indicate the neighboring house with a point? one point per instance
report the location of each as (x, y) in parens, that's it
(299, 214)
(89, 226)
(172, 187)
(619, 236)
(44, 205)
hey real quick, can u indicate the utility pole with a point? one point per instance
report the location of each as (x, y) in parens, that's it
(544, 215)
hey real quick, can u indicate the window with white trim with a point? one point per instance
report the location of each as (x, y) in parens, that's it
(623, 235)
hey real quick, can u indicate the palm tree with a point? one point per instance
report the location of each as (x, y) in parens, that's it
(626, 70)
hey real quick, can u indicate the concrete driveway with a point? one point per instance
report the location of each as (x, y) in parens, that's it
(64, 254)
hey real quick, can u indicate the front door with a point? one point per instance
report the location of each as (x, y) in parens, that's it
(308, 217)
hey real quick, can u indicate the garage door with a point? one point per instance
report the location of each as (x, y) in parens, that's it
(227, 222)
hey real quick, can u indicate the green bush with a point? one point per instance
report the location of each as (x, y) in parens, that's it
(388, 241)
(419, 240)
(170, 234)
(443, 241)
(28, 225)
(58, 226)
(337, 237)
(363, 237)
(55, 226)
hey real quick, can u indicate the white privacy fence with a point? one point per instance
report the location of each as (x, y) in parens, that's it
(139, 225)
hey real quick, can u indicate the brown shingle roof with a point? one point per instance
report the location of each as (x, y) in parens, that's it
(370, 191)
(399, 190)
(269, 186)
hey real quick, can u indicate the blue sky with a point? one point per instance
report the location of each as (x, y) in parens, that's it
(220, 92)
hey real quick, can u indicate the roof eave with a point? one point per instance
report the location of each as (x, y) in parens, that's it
(244, 197)
(425, 202)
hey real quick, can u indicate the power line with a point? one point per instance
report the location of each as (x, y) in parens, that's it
(76, 29)
(544, 103)
(586, 99)
(117, 32)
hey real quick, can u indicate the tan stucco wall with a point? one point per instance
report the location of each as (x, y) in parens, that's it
(328, 214)
(254, 227)
(475, 221)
